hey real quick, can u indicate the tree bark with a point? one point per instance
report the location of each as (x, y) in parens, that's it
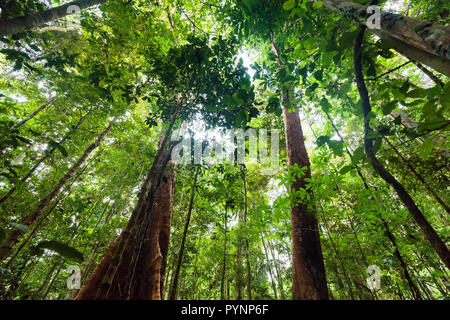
(148, 273)
(309, 281)
(427, 230)
(308, 271)
(15, 235)
(425, 42)
(19, 24)
(141, 248)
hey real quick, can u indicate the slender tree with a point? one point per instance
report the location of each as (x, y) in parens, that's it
(173, 289)
(15, 235)
(427, 230)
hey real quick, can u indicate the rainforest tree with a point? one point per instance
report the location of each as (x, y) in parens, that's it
(100, 100)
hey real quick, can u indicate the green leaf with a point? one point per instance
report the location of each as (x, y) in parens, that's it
(318, 75)
(63, 151)
(346, 169)
(289, 4)
(318, 5)
(322, 140)
(425, 149)
(358, 154)
(445, 95)
(311, 88)
(429, 110)
(326, 106)
(387, 108)
(417, 93)
(347, 39)
(62, 249)
(376, 145)
(337, 147)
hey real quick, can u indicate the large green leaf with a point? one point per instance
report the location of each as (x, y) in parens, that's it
(426, 148)
(289, 4)
(62, 249)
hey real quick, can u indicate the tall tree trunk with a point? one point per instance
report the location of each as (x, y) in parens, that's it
(14, 236)
(308, 271)
(173, 290)
(427, 43)
(309, 280)
(427, 230)
(19, 24)
(133, 266)
(148, 273)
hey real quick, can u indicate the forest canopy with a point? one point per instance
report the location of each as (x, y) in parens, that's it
(224, 149)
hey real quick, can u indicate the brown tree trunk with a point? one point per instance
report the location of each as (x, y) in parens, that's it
(15, 235)
(309, 281)
(173, 289)
(424, 42)
(147, 274)
(19, 24)
(427, 230)
(133, 266)
(308, 271)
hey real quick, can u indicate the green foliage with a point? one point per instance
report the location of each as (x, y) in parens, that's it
(219, 65)
(60, 248)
